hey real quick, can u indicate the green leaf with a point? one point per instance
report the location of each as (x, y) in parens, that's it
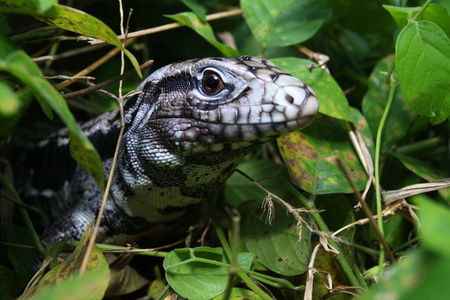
(69, 19)
(331, 98)
(239, 294)
(199, 10)
(9, 102)
(8, 283)
(400, 116)
(277, 245)
(284, 23)
(21, 258)
(434, 13)
(424, 171)
(435, 226)
(423, 65)
(21, 66)
(239, 190)
(70, 268)
(418, 275)
(204, 30)
(78, 287)
(311, 156)
(200, 273)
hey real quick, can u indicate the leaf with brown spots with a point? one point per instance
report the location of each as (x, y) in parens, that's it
(70, 268)
(311, 156)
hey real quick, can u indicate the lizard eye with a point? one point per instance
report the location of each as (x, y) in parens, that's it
(212, 83)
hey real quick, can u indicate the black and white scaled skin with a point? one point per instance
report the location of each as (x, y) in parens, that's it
(186, 131)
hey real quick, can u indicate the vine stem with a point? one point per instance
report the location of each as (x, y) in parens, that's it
(241, 273)
(379, 203)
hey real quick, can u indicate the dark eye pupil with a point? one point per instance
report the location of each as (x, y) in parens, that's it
(212, 82)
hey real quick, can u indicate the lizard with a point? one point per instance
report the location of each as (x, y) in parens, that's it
(186, 131)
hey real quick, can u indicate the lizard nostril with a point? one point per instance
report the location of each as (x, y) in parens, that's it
(289, 99)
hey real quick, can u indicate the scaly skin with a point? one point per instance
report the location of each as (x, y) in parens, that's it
(185, 134)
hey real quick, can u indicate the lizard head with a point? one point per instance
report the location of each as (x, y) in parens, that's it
(213, 104)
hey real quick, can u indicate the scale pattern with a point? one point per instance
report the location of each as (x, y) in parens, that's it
(186, 132)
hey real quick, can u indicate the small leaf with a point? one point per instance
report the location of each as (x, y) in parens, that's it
(434, 13)
(199, 10)
(400, 115)
(71, 267)
(424, 171)
(277, 245)
(69, 19)
(9, 102)
(156, 288)
(423, 66)
(311, 156)
(200, 273)
(284, 23)
(331, 98)
(203, 29)
(124, 281)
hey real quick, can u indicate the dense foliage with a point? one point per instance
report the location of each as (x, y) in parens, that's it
(381, 71)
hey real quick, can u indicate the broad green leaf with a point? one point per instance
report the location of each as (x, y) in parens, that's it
(424, 171)
(239, 189)
(418, 275)
(311, 156)
(331, 98)
(199, 10)
(21, 66)
(434, 13)
(435, 226)
(9, 102)
(239, 294)
(69, 19)
(284, 23)
(70, 269)
(200, 273)
(277, 245)
(423, 65)
(400, 116)
(22, 259)
(204, 30)
(8, 283)
(77, 288)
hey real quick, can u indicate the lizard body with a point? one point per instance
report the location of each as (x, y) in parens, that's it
(185, 133)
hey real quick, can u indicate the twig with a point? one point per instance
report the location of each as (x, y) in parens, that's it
(96, 87)
(367, 211)
(111, 172)
(91, 67)
(153, 30)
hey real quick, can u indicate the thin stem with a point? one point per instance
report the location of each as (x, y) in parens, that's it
(416, 16)
(379, 203)
(26, 217)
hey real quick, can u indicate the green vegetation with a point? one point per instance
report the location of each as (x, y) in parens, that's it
(381, 71)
